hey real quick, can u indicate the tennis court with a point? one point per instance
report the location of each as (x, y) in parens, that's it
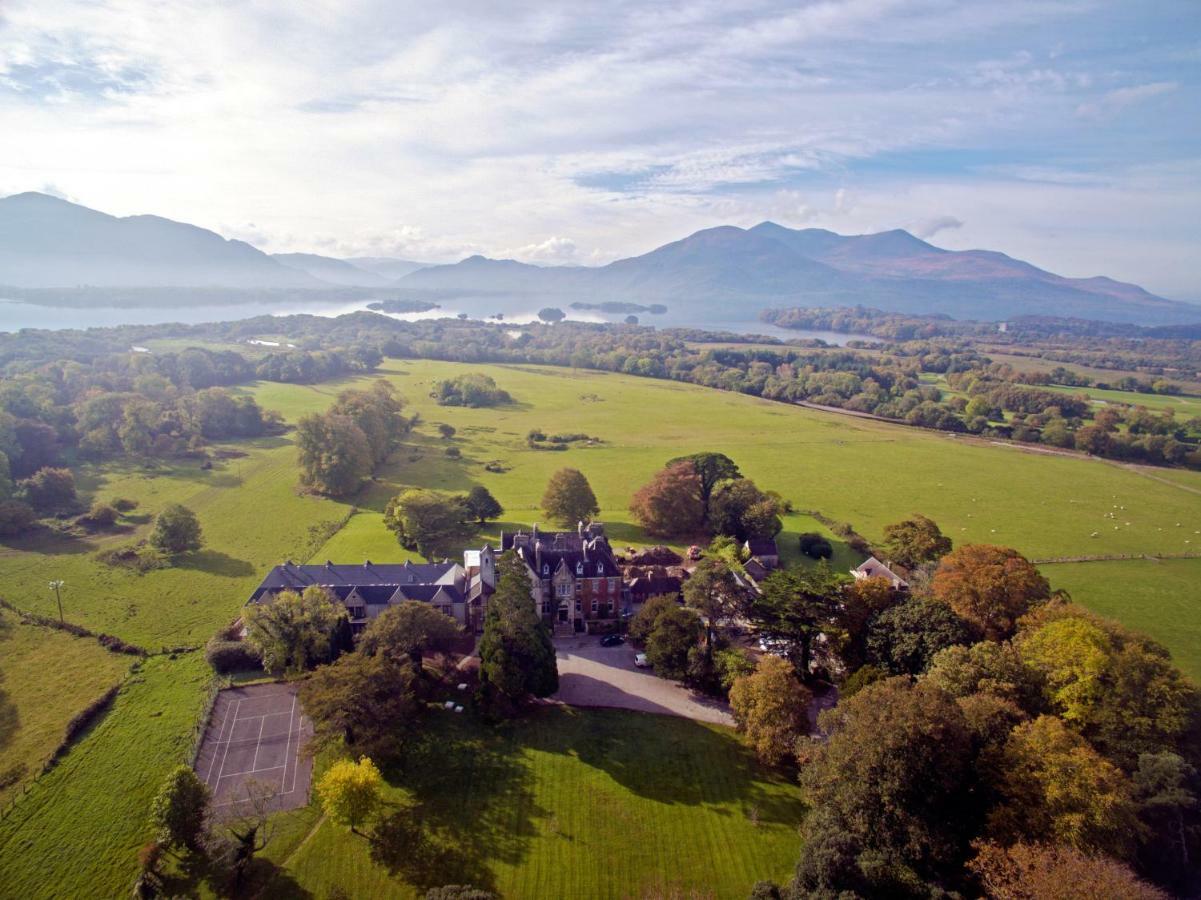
(252, 748)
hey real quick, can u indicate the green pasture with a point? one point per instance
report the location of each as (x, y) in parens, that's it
(1159, 597)
(77, 833)
(46, 677)
(1107, 376)
(1185, 407)
(566, 803)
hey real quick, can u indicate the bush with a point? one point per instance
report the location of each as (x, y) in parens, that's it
(114, 644)
(80, 722)
(815, 546)
(453, 452)
(140, 557)
(102, 515)
(227, 656)
(124, 504)
(15, 518)
(49, 490)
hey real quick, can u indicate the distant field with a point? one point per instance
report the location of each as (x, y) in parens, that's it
(46, 677)
(1161, 598)
(1185, 406)
(570, 803)
(77, 833)
(1038, 364)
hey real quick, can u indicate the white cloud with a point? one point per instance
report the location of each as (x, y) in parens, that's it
(927, 229)
(369, 127)
(1113, 102)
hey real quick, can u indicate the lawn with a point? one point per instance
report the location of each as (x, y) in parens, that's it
(46, 677)
(77, 833)
(1185, 407)
(1160, 597)
(567, 803)
(80, 827)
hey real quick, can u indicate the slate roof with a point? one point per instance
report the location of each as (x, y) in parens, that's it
(873, 568)
(585, 556)
(762, 547)
(372, 580)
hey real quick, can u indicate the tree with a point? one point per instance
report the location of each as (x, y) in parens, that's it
(432, 523)
(517, 656)
(15, 517)
(712, 469)
(1044, 872)
(906, 637)
(335, 454)
(569, 498)
(350, 792)
(989, 587)
(675, 634)
(889, 805)
(647, 617)
(987, 667)
(176, 530)
(473, 389)
(179, 811)
(551, 314)
(714, 594)
(1073, 657)
(294, 631)
(1168, 793)
(1054, 787)
(49, 490)
(482, 505)
(404, 631)
(741, 510)
(862, 600)
(366, 703)
(447, 431)
(795, 606)
(914, 541)
(771, 708)
(670, 503)
(377, 412)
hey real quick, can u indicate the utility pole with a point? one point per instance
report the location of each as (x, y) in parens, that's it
(57, 585)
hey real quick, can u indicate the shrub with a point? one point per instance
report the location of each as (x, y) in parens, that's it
(15, 517)
(453, 452)
(227, 656)
(124, 504)
(102, 515)
(48, 490)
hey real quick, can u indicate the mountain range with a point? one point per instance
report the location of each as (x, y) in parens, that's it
(49, 243)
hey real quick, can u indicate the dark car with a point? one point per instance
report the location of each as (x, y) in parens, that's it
(612, 640)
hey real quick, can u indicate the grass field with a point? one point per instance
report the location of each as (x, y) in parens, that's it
(71, 673)
(1160, 597)
(77, 833)
(1185, 407)
(80, 827)
(1107, 376)
(569, 803)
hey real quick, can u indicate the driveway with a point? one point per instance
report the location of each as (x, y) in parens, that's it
(592, 675)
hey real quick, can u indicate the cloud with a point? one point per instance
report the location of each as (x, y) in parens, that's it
(372, 127)
(931, 227)
(1113, 102)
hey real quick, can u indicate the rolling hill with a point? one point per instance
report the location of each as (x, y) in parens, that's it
(770, 265)
(46, 242)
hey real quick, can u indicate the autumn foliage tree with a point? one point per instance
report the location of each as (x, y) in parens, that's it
(569, 498)
(1029, 871)
(771, 708)
(989, 587)
(334, 454)
(350, 792)
(671, 502)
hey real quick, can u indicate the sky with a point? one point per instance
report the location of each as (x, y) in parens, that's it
(1063, 132)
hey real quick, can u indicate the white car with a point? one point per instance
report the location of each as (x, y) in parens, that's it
(641, 661)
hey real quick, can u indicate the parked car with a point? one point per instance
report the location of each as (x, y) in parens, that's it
(641, 661)
(612, 640)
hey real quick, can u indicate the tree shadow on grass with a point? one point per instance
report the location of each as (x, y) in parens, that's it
(671, 760)
(40, 539)
(260, 878)
(215, 562)
(472, 805)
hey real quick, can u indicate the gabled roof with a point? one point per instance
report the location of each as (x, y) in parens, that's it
(873, 568)
(585, 556)
(762, 547)
(290, 576)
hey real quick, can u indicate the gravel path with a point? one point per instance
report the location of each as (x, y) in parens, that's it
(592, 675)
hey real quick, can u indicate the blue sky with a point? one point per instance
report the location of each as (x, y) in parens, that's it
(1065, 132)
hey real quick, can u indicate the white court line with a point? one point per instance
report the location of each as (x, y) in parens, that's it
(288, 749)
(253, 772)
(217, 744)
(225, 756)
(258, 744)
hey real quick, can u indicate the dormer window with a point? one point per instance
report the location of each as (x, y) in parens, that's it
(579, 568)
(600, 568)
(545, 569)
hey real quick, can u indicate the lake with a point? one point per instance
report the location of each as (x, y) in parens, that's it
(16, 315)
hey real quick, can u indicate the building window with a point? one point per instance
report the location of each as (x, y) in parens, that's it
(565, 589)
(600, 568)
(594, 606)
(578, 606)
(579, 568)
